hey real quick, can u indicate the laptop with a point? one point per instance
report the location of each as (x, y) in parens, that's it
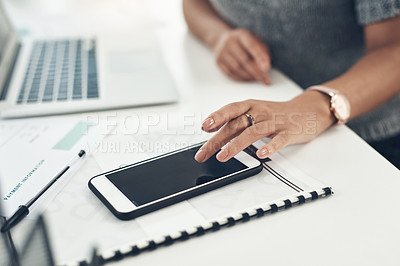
(45, 77)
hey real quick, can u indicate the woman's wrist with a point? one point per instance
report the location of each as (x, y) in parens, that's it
(213, 37)
(317, 104)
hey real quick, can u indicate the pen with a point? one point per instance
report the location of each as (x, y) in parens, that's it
(23, 210)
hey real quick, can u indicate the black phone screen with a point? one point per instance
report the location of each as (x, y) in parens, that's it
(156, 179)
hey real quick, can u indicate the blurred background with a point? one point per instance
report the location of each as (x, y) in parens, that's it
(52, 18)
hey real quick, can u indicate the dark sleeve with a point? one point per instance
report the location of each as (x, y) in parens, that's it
(371, 11)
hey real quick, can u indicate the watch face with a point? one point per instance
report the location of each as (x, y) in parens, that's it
(341, 107)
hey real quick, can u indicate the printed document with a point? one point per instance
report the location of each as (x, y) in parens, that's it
(33, 151)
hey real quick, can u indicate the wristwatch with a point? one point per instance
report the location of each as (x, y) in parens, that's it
(339, 104)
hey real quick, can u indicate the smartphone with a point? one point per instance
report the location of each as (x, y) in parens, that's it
(155, 183)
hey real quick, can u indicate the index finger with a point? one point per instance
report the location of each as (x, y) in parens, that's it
(228, 132)
(220, 117)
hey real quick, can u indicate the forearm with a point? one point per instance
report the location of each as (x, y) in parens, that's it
(203, 21)
(372, 81)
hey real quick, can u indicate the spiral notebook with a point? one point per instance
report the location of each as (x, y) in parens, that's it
(278, 187)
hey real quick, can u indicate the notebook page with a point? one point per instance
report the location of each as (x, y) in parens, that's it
(78, 219)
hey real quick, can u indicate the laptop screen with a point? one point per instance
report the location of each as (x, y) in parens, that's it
(8, 47)
(5, 32)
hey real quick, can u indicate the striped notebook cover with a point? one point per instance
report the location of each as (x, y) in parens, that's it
(186, 234)
(292, 188)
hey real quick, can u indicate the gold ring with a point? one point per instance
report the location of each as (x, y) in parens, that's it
(251, 119)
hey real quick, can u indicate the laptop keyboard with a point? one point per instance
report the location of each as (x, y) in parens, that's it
(62, 70)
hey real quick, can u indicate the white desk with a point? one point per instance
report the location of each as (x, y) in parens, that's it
(359, 225)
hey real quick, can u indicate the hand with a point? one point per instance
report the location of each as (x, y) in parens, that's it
(297, 121)
(243, 56)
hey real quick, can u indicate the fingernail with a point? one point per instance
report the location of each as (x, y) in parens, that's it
(262, 153)
(208, 123)
(221, 156)
(200, 156)
(267, 81)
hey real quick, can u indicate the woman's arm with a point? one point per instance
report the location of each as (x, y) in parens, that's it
(372, 81)
(375, 78)
(239, 54)
(203, 21)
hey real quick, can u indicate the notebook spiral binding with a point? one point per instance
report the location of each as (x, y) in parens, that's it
(141, 247)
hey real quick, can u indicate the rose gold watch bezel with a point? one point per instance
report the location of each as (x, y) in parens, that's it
(334, 95)
(340, 119)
